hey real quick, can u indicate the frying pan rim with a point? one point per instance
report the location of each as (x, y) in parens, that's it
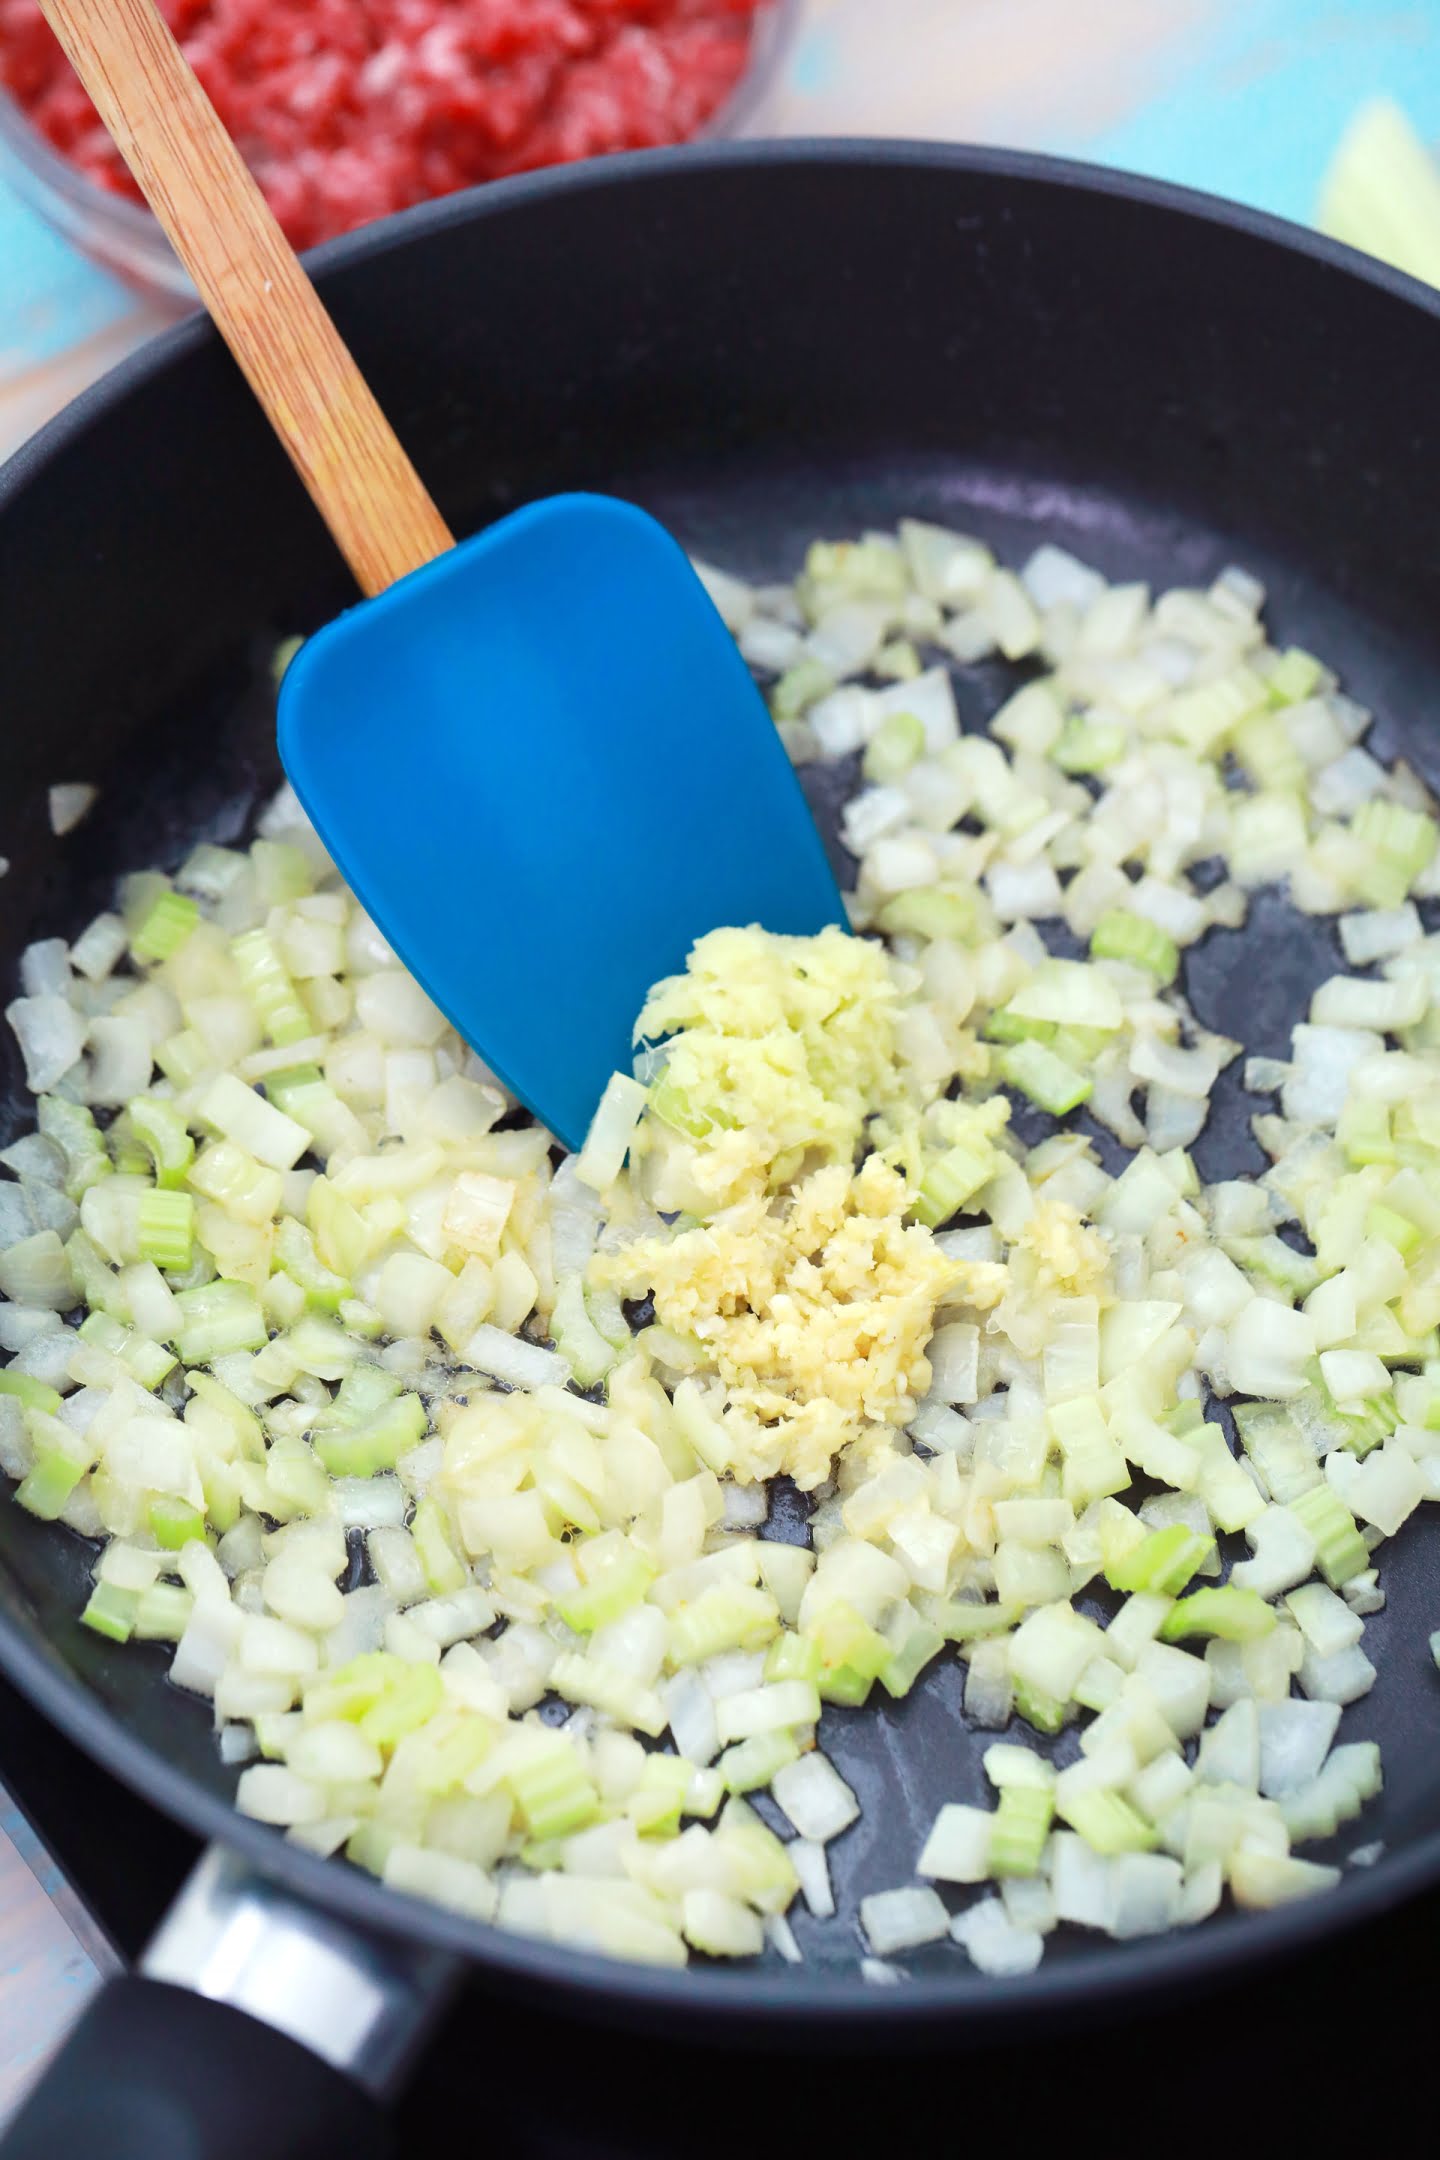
(1101, 1975)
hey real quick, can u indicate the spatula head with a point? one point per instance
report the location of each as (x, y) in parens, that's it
(545, 770)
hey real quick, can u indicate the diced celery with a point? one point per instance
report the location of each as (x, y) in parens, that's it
(365, 1449)
(217, 1318)
(159, 1125)
(1107, 1822)
(951, 1180)
(1231, 1614)
(29, 1393)
(165, 927)
(793, 1657)
(1088, 746)
(1341, 1550)
(269, 988)
(932, 911)
(893, 748)
(1119, 935)
(552, 1792)
(111, 1611)
(1021, 1826)
(852, 1655)
(165, 1230)
(611, 1590)
(51, 1479)
(1049, 1082)
(724, 1618)
(173, 1522)
(444, 1570)
(295, 1253)
(1163, 1561)
(406, 1703)
(163, 1612)
(752, 1763)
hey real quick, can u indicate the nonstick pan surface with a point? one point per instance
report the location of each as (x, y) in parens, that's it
(761, 344)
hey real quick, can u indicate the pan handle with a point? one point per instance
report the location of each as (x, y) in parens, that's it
(255, 2024)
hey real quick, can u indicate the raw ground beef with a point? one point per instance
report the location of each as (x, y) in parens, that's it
(348, 109)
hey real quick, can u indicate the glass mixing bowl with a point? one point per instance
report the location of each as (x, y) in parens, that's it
(123, 237)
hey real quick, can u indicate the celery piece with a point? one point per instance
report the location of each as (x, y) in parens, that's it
(1021, 1826)
(216, 1318)
(173, 1522)
(51, 1479)
(295, 1480)
(282, 872)
(1341, 1550)
(444, 1570)
(344, 1239)
(1045, 1712)
(552, 1792)
(852, 1655)
(1108, 1823)
(1164, 1561)
(269, 988)
(799, 687)
(752, 1763)
(727, 1617)
(1270, 758)
(618, 1582)
(411, 1698)
(1119, 935)
(163, 1612)
(165, 1230)
(1003, 1026)
(918, 1644)
(349, 1691)
(658, 1800)
(1294, 676)
(1401, 844)
(893, 748)
(576, 1337)
(1049, 1082)
(952, 1179)
(378, 1444)
(161, 1129)
(291, 1085)
(111, 1611)
(73, 1130)
(31, 1394)
(295, 1255)
(793, 1657)
(443, 1760)
(1364, 1133)
(1088, 746)
(931, 911)
(1396, 1229)
(960, 1621)
(183, 1058)
(1231, 1614)
(362, 1394)
(167, 924)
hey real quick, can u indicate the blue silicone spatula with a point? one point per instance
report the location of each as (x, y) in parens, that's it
(537, 757)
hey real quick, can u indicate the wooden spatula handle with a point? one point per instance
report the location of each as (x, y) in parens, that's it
(265, 307)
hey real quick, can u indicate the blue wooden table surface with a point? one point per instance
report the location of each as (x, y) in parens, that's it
(1246, 98)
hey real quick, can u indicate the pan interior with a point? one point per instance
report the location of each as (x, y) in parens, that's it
(904, 1759)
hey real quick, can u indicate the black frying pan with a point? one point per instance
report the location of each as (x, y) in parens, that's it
(761, 345)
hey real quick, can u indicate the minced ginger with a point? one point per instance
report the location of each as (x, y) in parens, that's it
(782, 1049)
(808, 1296)
(813, 1310)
